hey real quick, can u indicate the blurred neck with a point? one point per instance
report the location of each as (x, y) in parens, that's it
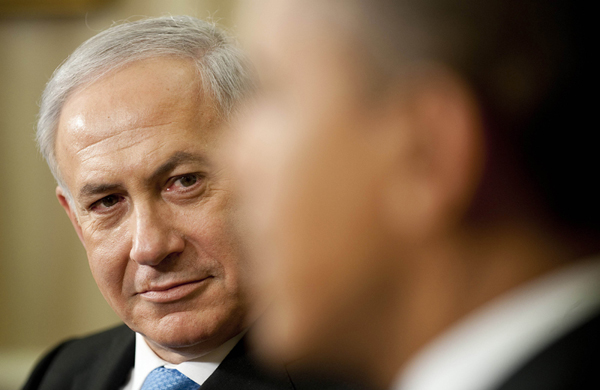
(451, 278)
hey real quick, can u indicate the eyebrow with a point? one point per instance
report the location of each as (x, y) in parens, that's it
(176, 159)
(89, 190)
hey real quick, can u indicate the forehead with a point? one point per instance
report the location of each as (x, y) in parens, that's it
(137, 109)
(305, 14)
(296, 41)
(143, 93)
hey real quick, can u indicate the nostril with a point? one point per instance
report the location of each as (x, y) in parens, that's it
(156, 248)
(168, 260)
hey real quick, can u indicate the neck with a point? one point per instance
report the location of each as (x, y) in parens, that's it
(451, 279)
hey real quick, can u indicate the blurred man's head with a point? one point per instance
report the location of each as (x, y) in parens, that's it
(382, 167)
(130, 125)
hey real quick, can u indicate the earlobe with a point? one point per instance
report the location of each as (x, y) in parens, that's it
(64, 202)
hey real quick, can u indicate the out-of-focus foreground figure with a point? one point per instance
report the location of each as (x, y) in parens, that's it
(416, 177)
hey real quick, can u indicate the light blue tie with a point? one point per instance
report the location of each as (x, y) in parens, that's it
(168, 379)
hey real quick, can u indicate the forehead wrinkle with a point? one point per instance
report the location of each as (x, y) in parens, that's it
(123, 144)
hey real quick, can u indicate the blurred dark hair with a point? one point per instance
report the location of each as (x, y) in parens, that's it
(526, 61)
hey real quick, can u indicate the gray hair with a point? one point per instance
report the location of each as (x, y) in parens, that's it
(221, 65)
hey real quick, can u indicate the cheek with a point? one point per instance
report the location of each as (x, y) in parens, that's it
(261, 153)
(209, 228)
(327, 227)
(108, 257)
(320, 231)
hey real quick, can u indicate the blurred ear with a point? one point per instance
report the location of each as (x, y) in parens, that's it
(64, 202)
(434, 130)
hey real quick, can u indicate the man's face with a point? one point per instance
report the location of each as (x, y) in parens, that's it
(137, 152)
(308, 171)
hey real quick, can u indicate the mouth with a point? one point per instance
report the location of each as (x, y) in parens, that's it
(173, 291)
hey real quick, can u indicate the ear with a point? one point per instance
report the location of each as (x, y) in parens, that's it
(439, 161)
(64, 202)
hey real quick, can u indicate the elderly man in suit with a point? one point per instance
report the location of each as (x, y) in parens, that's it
(130, 125)
(418, 177)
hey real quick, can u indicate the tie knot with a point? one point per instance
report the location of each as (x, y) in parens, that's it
(162, 378)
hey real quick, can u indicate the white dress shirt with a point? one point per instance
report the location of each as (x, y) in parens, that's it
(489, 345)
(197, 370)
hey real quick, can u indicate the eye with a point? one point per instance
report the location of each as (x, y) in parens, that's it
(106, 202)
(184, 183)
(187, 180)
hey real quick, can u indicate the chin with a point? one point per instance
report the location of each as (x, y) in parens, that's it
(198, 332)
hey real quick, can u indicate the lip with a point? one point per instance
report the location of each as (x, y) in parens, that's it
(173, 291)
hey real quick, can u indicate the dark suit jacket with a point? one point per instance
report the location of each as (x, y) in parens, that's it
(103, 362)
(571, 363)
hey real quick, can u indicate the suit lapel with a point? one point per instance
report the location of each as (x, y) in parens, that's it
(570, 363)
(111, 370)
(239, 371)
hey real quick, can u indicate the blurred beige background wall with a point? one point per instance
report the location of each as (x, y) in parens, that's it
(46, 290)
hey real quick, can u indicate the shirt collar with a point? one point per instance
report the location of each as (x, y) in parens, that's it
(197, 370)
(483, 349)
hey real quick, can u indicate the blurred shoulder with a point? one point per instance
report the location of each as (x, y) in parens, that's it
(571, 362)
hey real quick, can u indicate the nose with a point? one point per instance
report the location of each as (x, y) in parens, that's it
(154, 237)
